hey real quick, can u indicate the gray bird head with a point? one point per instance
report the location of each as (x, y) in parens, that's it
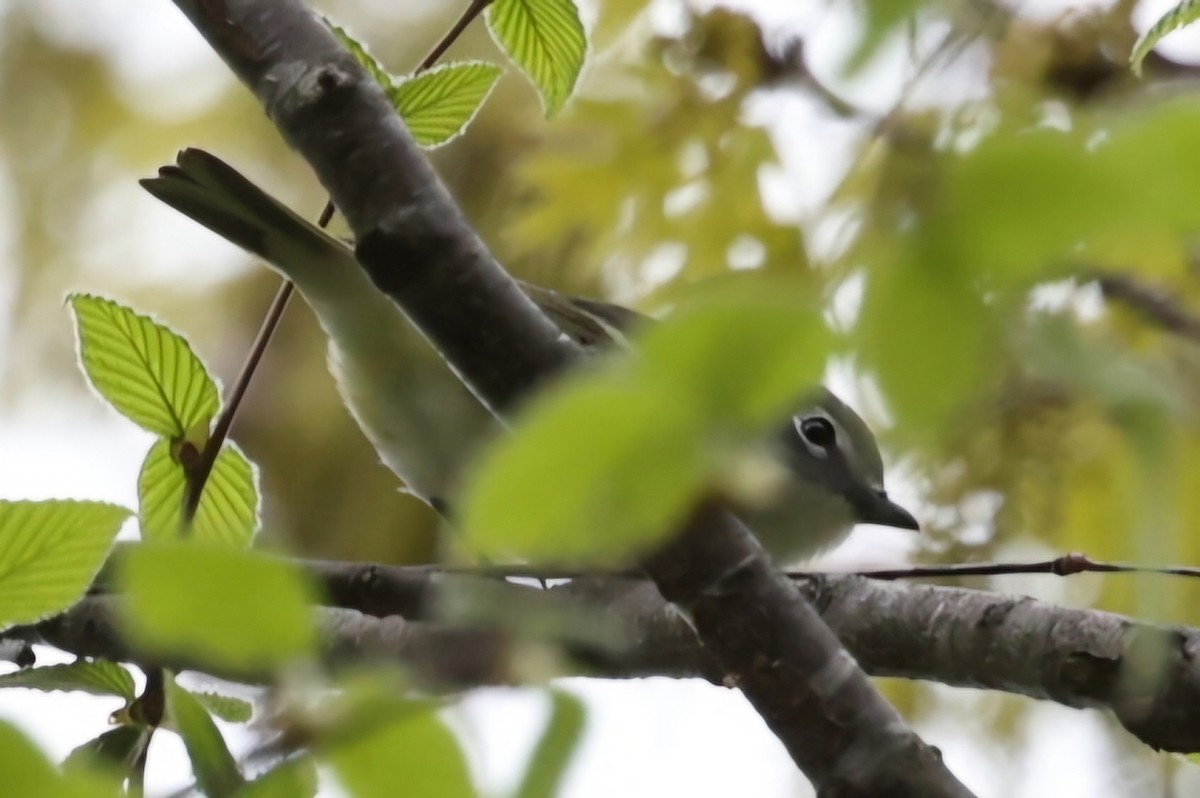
(835, 482)
(829, 444)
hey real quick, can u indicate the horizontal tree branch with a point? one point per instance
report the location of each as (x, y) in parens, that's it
(954, 636)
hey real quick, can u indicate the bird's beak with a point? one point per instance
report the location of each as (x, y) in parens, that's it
(874, 507)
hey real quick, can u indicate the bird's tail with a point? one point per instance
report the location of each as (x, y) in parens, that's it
(216, 195)
(417, 414)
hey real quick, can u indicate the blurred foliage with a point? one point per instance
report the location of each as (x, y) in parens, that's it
(216, 771)
(680, 418)
(50, 551)
(1036, 414)
(651, 157)
(191, 599)
(29, 773)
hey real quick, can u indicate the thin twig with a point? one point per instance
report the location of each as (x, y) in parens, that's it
(198, 476)
(1064, 565)
(1151, 302)
(468, 16)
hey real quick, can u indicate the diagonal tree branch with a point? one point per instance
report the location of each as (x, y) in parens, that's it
(412, 238)
(418, 249)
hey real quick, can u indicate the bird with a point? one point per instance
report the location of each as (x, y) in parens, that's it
(424, 422)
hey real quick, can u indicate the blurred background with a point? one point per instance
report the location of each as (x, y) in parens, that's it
(951, 177)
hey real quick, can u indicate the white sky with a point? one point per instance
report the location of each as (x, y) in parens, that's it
(651, 737)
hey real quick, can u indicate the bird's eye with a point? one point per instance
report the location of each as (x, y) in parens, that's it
(818, 431)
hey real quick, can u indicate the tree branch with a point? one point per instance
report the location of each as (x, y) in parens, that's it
(954, 636)
(418, 249)
(412, 237)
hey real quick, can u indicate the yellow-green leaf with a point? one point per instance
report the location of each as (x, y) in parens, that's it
(111, 754)
(743, 356)
(359, 51)
(216, 772)
(416, 751)
(241, 610)
(546, 40)
(98, 678)
(1185, 13)
(226, 707)
(49, 553)
(295, 778)
(29, 774)
(161, 487)
(612, 461)
(1026, 204)
(598, 470)
(924, 326)
(555, 749)
(438, 104)
(229, 506)
(146, 371)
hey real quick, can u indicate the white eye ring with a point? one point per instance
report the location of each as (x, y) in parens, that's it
(818, 434)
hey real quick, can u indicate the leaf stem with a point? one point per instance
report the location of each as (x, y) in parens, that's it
(151, 707)
(468, 16)
(198, 475)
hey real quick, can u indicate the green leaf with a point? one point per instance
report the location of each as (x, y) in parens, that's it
(1023, 198)
(361, 702)
(115, 752)
(546, 41)
(216, 772)
(555, 749)
(49, 553)
(147, 372)
(240, 610)
(98, 677)
(162, 483)
(438, 104)
(229, 506)
(565, 487)
(296, 778)
(947, 290)
(226, 707)
(416, 751)
(742, 357)
(614, 459)
(924, 325)
(359, 51)
(1187, 12)
(29, 774)
(1025, 205)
